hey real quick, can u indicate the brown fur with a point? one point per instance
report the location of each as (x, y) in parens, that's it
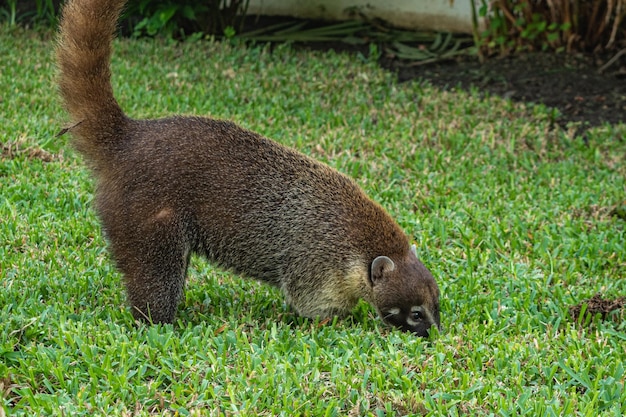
(171, 187)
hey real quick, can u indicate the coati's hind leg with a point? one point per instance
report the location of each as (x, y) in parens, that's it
(153, 257)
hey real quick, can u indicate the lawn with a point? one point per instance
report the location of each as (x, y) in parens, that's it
(517, 219)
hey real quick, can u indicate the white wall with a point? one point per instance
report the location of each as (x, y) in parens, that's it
(438, 15)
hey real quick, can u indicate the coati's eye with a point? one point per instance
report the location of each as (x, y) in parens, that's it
(417, 315)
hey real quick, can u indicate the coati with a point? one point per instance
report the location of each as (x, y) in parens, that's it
(171, 187)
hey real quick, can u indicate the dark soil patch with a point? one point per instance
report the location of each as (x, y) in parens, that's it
(570, 83)
(596, 305)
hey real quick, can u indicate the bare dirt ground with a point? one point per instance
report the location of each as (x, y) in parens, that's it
(598, 305)
(573, 84)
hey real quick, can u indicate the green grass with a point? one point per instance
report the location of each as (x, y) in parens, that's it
(512, 216)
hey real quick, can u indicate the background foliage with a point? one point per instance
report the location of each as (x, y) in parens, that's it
(558, 25)
(511, 25)
(184, 17)
(143, 17)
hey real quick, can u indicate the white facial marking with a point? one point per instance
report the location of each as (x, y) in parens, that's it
(394, 311)
(414, 309)
(426, 316)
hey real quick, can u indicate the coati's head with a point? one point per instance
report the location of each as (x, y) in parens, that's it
(405, 293)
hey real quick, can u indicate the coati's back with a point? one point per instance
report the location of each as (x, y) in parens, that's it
(170, 187)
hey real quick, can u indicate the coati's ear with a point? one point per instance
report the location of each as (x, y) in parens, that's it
(414, 250)
(381, 266)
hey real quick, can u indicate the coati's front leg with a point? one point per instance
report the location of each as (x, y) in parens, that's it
(325, 289)
(315, 301)
(153, 257)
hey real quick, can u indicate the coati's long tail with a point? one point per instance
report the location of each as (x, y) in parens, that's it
(83, 54)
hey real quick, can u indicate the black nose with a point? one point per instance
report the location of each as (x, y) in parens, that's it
(424, 331)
